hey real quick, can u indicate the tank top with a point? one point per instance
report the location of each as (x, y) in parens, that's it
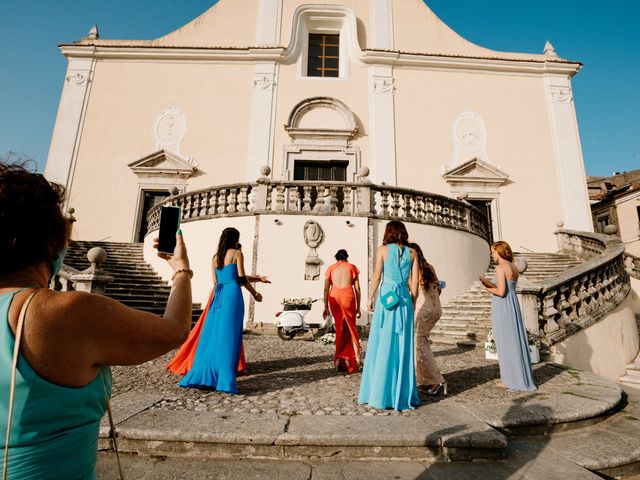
(54, 433)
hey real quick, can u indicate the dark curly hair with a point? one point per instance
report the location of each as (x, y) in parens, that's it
(341, 255)
(229, 239)
(32, 226)
(395, 232)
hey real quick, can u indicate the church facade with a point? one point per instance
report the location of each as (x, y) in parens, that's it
(339, 90)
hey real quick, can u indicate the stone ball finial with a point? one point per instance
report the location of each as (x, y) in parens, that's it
(364, 172)
(97, 255)
(175, 191)
(70, 212)
(522, 264)
(265, 170)
(559, 224)
(463, 196)
(611, 229)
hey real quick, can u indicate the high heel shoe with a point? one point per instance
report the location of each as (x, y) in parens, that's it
(434, 391)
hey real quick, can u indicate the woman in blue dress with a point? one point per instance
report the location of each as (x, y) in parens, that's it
(389, 376)
(508, 326)
(216, 359)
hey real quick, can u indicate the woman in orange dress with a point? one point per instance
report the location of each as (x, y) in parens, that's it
(342, 297)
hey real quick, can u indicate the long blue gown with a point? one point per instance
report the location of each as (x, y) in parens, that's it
(511, 341)
(389, 376)
(216, 360)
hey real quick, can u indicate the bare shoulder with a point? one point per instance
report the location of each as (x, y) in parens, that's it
(239, 256)
(54, 310)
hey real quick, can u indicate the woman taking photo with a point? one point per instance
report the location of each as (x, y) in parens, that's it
(508, 327)
(342, 297)
(428, 311)
(389, 376)
(215, 364)
(66, 340)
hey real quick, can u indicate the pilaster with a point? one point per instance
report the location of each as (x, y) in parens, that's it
(568, 153)
(63, 150)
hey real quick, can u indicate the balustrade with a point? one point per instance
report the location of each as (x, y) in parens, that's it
(632, 265)
(326, 198)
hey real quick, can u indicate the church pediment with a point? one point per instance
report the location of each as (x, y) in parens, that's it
(163, 164)
(476, 171)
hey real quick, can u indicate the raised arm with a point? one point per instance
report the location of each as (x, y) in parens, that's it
(239, 260)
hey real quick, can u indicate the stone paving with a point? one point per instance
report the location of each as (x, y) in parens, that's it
(298, 378)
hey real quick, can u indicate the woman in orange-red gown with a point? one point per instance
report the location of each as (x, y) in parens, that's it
(342, 297)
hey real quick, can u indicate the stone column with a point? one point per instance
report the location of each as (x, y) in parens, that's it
(93, 279)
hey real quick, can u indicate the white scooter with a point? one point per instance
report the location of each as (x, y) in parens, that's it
(290, 321)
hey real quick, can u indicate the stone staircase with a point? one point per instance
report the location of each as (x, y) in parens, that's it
(466, 319)
(135, 283)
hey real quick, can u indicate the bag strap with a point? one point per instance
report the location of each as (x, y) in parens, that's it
(112, 431)
(14, 366)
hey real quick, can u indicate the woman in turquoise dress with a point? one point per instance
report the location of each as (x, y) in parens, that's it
(215, 364)
(389, 376)
(508, 327)
(66, 340)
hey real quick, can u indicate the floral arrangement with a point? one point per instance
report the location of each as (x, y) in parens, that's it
(328, 339)
(297, 301)
(490, 344)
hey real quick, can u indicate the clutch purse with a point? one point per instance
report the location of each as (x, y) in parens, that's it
(390, 300)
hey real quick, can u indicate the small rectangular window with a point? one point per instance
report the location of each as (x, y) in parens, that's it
(324, 55)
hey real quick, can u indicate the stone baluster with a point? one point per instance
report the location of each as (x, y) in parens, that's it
(419, 207)
(384, 202)
(333, 191)
(406, 206)
(94, 279)
(222, 201)
(243, 199)
(347, 202)
(319, 207)
(232, 205)
(280, 194)
(395, 206)
(306, 200)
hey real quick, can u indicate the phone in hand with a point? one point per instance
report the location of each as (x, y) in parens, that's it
(169, 223)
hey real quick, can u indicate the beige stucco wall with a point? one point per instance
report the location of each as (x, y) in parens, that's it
(125, 99)
(458, 257)
(628, 222)
(514, 111)
(605, 347)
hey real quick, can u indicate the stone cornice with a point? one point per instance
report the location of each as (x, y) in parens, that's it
(279, 54)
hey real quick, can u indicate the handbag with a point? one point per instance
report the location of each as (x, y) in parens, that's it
(390, 300)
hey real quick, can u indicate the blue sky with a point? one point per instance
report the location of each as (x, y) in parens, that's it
(602, 35)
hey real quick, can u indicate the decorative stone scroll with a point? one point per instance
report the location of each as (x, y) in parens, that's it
(313, 237)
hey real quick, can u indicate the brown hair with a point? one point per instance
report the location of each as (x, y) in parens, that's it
(426, 271)
(229, 239)
(395, 232)
(32, 226)
(503, 250)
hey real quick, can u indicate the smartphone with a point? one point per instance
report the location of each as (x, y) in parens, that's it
(169, 224)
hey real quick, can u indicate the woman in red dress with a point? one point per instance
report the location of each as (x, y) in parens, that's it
(342, 297)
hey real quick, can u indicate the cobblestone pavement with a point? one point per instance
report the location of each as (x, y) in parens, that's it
(297, 378)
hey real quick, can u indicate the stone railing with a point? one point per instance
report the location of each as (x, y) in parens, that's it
(632, 265)
(62, 281)
(326, 198)
(580, 296)
(91, 280)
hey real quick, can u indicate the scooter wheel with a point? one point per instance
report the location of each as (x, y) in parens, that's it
(285, 335)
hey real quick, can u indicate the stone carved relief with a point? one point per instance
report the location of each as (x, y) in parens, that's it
(469, 138)
(382, 85)
(76, 78)
(313, 237)
(561, 95)
(262, 81)
(169, 129)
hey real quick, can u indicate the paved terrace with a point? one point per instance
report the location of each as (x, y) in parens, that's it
(293, 405)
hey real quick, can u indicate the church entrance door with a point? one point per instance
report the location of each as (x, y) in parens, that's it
(150, 199)
(485, 207)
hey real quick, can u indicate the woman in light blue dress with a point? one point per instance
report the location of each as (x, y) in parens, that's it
(389, 376)
(216, 359)
(508, 327)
